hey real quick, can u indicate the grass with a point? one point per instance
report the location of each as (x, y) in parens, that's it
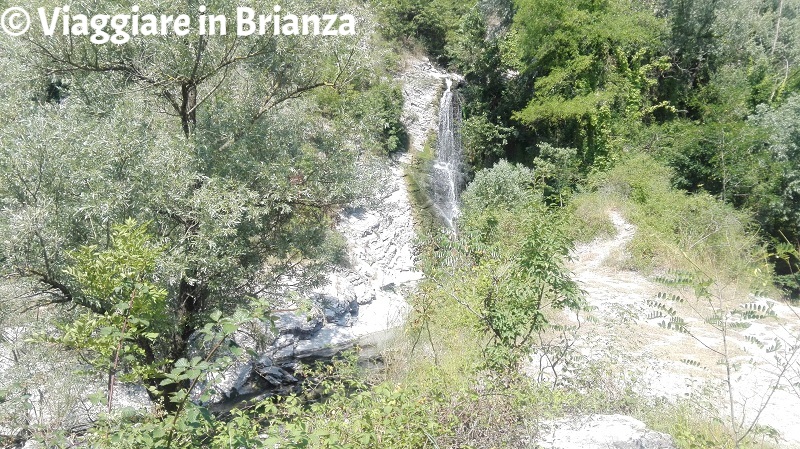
(417, 174)
(675, 231)
(691, 428)
(679, 233)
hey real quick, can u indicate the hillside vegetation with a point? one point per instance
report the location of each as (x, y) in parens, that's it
(160, 195)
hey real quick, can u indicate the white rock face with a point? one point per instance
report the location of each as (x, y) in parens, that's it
(654, 359)
(367, 298)
(601, 432)
(363, 302)
(380, 238)
(423, 85)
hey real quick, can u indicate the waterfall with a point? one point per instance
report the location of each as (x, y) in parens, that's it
(447, 175)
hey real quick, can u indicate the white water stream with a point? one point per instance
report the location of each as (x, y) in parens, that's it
(447, 174)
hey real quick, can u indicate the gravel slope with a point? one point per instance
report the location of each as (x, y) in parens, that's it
(657, 357)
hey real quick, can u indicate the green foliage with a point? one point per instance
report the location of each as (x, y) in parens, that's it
(223, 148)
(730, 57)
(789, 256)
(236, 187)
(187, 424)
(124, 325)
(347, 413)
(594, 62)
(557, 169)
(483, 140)
(426, 219)
(780, 124)
(747, 163)
(672, 224)
(250, 177)
(488, 61)
(590, 215)
(692, 428)
(123, 312)
(374, 110)
(588, 74)
(503, 187)
(511, 248)
(114, 278)
(233, 155)
(428, 22)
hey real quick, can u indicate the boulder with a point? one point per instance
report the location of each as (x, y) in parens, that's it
(601, 432)
(299, 324)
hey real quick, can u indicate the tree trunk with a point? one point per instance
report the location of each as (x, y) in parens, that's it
(191, 299)
(188, 107)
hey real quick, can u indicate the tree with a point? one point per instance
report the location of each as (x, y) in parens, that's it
(215, 142)
(431, 23)
(761, 36)
(593, 61)
(490, 94)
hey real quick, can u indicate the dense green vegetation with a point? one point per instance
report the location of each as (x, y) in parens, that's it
(708, 89)
(168, 188)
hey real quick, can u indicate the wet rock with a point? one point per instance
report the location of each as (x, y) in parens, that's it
(341, 311)
(299, 324)
(274, 376)
(329, 341)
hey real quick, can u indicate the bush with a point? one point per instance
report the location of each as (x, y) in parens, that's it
(506, 265)
(374, 112)
(505, 186)
(483, 140)
(427, 22)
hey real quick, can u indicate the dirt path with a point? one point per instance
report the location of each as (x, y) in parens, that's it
(670, 364)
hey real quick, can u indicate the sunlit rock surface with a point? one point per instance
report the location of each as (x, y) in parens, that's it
(601, 432)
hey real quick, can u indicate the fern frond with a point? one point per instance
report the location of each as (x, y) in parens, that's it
(754, 340)
(775, 346)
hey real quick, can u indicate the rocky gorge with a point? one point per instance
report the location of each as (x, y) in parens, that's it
(363, 303)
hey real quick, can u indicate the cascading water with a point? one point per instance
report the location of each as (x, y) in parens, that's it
(447, 175)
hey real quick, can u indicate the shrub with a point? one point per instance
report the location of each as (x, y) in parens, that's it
(506, 265)
(505, 186)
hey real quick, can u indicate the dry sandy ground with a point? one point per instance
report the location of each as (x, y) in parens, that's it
(671, 364)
